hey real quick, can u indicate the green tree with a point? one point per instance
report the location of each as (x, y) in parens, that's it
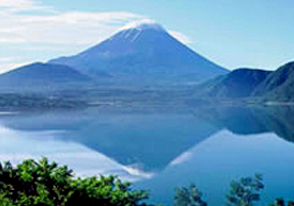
(46, 184)
(189, 196)
(245, 192)
(281, 202)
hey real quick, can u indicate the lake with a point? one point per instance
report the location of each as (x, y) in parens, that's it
(158, 149)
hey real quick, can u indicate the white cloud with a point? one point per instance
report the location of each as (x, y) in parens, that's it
(5, 67)
(12, 40)
(65, 28)
(181, 37)
(5, 59)
(41, 28)
(20, 5)
(9, 62)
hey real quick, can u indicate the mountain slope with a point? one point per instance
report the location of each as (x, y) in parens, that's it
(143, 53)
(238, 83)
(279, 86)
(41, 75)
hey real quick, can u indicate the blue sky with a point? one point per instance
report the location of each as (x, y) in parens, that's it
(251, 33)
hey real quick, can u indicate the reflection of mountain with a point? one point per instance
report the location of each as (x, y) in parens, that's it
(15, 146)
(215, 162)
(252, 120)
(149, 141)
(284, 117)
(186, 148)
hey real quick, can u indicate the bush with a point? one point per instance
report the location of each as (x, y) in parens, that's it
(46, 184)
(190, 196)
(281, 202)
(246, 191)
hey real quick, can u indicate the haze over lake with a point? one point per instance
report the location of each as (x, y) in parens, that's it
(159, 149)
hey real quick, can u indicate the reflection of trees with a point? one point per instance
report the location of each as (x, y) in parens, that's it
(151, 140)
(252, 120)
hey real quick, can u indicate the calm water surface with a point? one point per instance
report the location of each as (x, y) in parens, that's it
(161, 149)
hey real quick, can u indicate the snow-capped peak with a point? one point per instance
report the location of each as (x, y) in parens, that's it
(143, 25)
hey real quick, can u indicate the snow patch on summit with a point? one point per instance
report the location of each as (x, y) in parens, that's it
(143, 25)
(133, 30)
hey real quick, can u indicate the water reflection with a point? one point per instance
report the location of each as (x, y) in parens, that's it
(147, 141)
(215, 162)
(255, 120)
(16, 146)
(163, 148)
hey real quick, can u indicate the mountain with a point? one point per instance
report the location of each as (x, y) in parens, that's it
(141, 53)
(279, 85)
(238, 83)
(40, 76)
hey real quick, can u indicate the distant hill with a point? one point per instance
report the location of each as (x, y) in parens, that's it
(275, 86)
(238, 83)
(279, 85)
(40, 76)
(143, 53)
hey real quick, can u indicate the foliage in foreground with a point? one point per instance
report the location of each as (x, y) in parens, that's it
(190, 196)
(46, 184)
(281, 202)
(245, 192)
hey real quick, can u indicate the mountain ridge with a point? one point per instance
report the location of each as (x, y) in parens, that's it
(277, 86)
(237, 84)
(41, 75)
